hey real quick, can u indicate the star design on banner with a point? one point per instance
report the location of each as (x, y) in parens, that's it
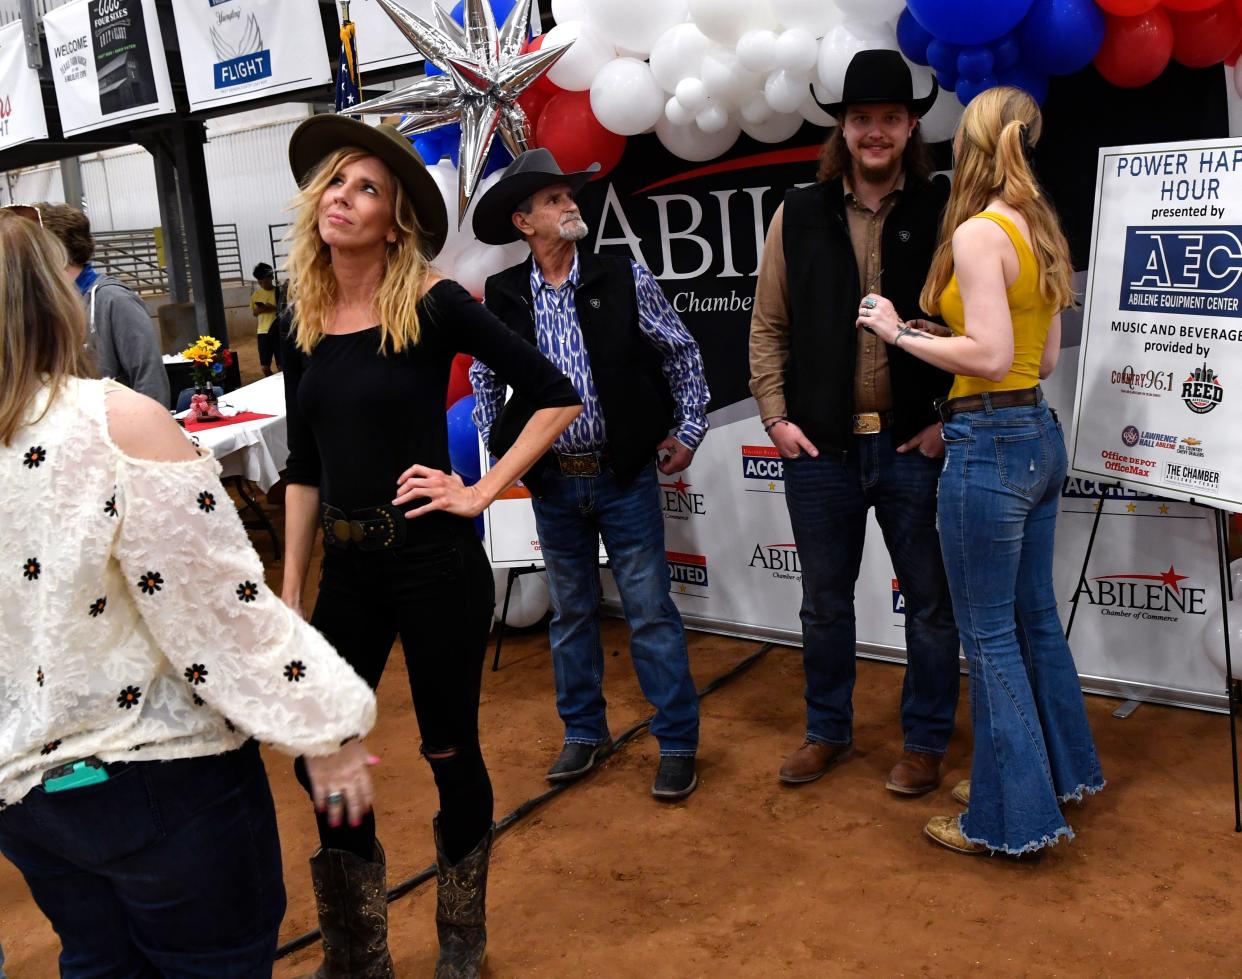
(1131, 507)
(1164, 508)
(484, 75)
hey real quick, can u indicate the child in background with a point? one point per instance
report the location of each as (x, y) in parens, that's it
(263, 306)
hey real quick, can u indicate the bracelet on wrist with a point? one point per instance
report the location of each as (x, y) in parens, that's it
(773, 423)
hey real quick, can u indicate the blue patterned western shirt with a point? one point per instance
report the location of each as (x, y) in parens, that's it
(560, 340)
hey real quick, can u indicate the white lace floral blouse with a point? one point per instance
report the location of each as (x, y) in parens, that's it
(134, 621)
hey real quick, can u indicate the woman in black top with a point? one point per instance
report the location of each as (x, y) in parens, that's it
(367, 363)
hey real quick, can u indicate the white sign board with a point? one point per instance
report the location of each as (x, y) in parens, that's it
(1160, 376)
(237, 50)
(380, 43)
(108, 63)
(21, 103)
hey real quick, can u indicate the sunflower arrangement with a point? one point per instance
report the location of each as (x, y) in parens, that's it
(210, 357)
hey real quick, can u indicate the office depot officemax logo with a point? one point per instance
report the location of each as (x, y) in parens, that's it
(1202, 390)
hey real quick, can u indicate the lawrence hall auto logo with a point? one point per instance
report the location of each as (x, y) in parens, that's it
(679, 503)
(1186, 270)
(1202, 390)
(763, 469)
(1159, 597)
(688, 573)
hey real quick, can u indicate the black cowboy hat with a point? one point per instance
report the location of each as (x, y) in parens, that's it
(531, 172)
(319, 136)
(875, 77)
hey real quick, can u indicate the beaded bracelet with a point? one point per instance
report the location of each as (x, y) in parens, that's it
(773, 423)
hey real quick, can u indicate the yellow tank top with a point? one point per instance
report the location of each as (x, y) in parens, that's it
(1030, 312)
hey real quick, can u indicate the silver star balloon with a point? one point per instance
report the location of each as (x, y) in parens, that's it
(484, 73)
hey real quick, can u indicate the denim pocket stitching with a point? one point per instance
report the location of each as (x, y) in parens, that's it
(1040, 473)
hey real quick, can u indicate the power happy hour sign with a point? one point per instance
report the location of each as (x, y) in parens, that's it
(1160, 372)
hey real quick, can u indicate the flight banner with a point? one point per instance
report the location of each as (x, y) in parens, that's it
(237, 50)
(108, 63)
(1160, 377)
(21, 103)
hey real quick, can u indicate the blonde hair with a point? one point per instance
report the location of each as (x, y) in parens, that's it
(997, 130)
(42, 322)
(312, 286)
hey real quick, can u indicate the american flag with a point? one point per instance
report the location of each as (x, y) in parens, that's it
(348, 78)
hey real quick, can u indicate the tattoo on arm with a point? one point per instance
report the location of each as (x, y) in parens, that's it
(908, 331)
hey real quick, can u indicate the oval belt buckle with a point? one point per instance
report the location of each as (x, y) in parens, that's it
(357, 533)
(340, 530)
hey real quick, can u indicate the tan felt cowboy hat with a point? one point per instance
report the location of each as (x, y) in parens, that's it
(319, 136)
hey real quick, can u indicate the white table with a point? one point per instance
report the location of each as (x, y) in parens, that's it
(255, 450)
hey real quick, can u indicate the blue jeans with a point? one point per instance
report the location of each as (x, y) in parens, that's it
(572, 515)
(828, 498)
(167, 869)
(999, 495)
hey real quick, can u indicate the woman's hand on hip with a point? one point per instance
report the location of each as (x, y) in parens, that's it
(441, 490)
(341, 783)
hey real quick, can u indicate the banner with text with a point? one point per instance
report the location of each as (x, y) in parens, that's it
(108, 63)
(21, 104)
(237, 50)
(1160, 377)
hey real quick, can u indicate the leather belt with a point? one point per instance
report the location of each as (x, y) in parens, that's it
(989, 400)
(872, 422)
(375, 528)
(582, 463)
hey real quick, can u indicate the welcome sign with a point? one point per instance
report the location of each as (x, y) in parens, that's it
(238, 50)
(1161, 364)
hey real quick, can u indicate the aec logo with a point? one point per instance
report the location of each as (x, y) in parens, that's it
(1151, 597)
(763, 468)
(679, 503)
(1202, 390)
(687, 571)
(1188, 270)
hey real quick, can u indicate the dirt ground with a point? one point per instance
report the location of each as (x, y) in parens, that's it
(748, 878)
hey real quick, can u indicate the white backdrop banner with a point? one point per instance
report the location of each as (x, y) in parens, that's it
(236, 50)
(1160, 378)
(21, 103)
(108, 63)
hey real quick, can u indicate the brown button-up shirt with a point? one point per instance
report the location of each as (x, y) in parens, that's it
(769, 325)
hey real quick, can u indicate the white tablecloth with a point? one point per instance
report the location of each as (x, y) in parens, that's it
(256, 450)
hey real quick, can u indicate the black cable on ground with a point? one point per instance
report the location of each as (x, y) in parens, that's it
(530, 805)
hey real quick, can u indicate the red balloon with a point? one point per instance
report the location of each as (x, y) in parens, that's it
(459, 380)
(1187, 5)
(544, 85)
(568, 128)
(1127, 8)
(1206, 37)
(1136, 49)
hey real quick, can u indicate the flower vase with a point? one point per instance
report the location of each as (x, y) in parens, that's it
(203, 402)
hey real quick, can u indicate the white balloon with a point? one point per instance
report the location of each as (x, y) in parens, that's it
(634, 24)
(724, 78)
(756, 111)
(811, 112)
(1213, 636)
(776, 129)
(691, 143)
(796, 50)
(563, 11)
(676, 113)
(678, 54)
(785, 90)
(713, 119)
(578, 66)
(1237, 79)
(691, 94)
(756, 50)
(816, 16)
(942, 118)
(528, 602)
(840, 45)
(871, 11)
(625, 97)
(727, 20)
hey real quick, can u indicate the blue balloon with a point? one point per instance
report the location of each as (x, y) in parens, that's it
(967, 90)
(1060, 37)
(942, 56)
(1006, 52)
(498, 156)
(975, 64)
(969, 21)
(1028, 79)
(463, 440)
(430, 147)
(948, 79)
(500, 10)
(912, 38)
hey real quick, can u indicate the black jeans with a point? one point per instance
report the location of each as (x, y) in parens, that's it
(269, 348)
(169, 868)
(439, 598)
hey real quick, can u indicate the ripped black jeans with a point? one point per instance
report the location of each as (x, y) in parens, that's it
(439, 598)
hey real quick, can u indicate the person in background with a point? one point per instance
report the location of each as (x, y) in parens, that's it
(263, 304)
(606, 323)
(120, 333)
(1000, 278)
(142, 659)
(855, 422)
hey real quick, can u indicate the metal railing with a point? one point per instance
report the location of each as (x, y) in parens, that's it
(280, 247)
(138, 257)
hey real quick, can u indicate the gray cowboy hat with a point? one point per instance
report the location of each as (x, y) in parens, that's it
(532, 171)
(319, 136)
(876, 77)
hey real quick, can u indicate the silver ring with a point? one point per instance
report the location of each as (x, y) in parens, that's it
(869, 303)
(865, 311)
(335, 798)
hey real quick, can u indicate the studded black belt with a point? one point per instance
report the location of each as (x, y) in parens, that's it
(374, 528)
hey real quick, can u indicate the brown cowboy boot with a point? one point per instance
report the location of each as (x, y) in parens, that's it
(461, 921)
(352, 899)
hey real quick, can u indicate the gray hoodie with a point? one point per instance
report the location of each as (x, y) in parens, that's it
(123, 339)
